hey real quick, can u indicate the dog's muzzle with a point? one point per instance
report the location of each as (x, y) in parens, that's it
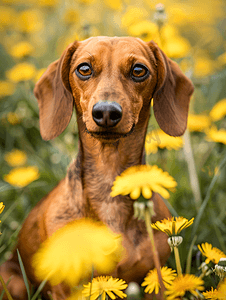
(107, 113)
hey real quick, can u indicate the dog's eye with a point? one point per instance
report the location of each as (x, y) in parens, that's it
(84, 71)
(139, 72)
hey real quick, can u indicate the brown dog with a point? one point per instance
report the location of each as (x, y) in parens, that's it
(111, 82)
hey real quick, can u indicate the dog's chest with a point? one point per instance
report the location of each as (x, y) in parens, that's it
(114, 212)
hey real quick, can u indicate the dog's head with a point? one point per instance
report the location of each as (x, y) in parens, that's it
(110, 79)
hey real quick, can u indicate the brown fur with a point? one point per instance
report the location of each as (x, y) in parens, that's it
(85, 192)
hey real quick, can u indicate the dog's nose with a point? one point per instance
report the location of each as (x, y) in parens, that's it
(106, 113)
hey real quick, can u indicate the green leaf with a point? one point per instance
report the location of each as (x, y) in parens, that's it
(24, 275)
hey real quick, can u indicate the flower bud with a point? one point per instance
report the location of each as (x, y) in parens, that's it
(220, 268)
(174, 241)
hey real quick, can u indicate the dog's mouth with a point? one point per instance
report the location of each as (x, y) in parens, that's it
(109, 135)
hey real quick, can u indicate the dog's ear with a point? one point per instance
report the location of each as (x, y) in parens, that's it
(172, 94)
(54, 96)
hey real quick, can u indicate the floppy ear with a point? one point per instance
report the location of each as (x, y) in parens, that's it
(54, 96)
(172, 94)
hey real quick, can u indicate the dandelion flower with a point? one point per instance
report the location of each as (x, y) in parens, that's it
(30, 20)
(222, 289)
(7, 16)
(48, 3)
(151, 280)
(177, 47)
(71, 252)
(21, 72)
(203, 67)
(116, 5)
(71, 16)
(212, 294)
(15, 158)
(218, 111)
(182, 284)
(211, 253)
(103, 285)
(172, 226)
(198, 122)
(21, 50)
(145, 179)
(77, 295)
(144, 29)
(133, 14)
(6, 88)
(2, 206)
(22, 176)
(158, 138)
(13, 118)
(218, 136)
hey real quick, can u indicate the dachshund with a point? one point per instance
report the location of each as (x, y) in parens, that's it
(110, 81)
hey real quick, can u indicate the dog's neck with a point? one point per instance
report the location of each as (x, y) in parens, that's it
(98, 164)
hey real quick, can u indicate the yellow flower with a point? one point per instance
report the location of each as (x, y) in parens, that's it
(21, 72)
(143, 179)
(182, 13)
(198, 122)
(116, 4)
(145, 29)
(177, 47)
(29, 21)
(86, 1)
(7, 16)
(13, 118)
(218, 111)
(21, 177)
(158, 138)
(213, 294)
(77, 295)
(48, 3)
(222, 290)
(21, 49)
(151, 280)
(172, 226)
(211, 253)
(6, 88)
(71, 252)
(103, 285)
(218, 136)
(204, 66)
(2, 206)
(182, 284)
(133, 14)
(15, 158)
(71, 16)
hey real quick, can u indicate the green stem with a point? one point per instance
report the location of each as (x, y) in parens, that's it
(189, 258)
(5, 288)
(155, 252)
(177, 259)
(189, 157)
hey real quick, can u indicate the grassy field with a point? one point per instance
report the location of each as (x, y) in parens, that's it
(35, 33)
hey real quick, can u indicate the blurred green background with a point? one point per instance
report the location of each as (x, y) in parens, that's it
(35, 33)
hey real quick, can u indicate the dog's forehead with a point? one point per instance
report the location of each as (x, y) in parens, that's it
(96, 45)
